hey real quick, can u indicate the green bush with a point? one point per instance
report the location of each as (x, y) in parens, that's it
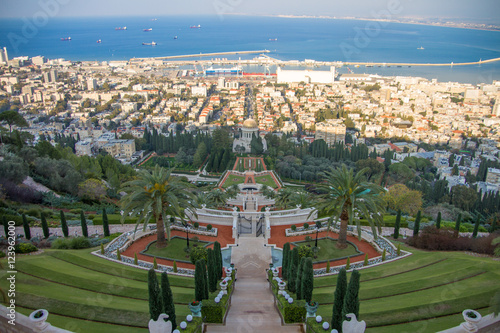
(209, 227)
(74, 243)
(212, 312)
(292, 313)
(196, 225)
(16, 218)
(25, 248)
(306, 225)
(198, 253)
(305, 251)
(34, 211)
(294, 227)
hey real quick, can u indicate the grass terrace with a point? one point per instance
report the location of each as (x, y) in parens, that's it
(266, 180)
(174, 249)
(328, 250)
(425, 292)
(232, 180)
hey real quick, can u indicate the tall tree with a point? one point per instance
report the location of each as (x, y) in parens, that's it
(286, 258)
(298, 283)
(397, 224)
(438, 220)
(157, 195)
(476, 226)
(416, 227)
(26, 226)
(351, 300)
(292, 269)
(155, 301)
(199, 281)
(212, 271)
(83, 221)
(338, 302)
(457, 225)
(45, 226)
(105, 223)
(218, 256)
(13, 118)
(168, 300)
(346, 192)
(307, 280)
(64, 224)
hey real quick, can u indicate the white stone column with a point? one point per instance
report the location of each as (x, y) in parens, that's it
(267, 216)
(235, 223)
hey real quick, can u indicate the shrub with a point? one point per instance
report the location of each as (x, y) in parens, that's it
(328, 267)
(25, 248)
(305, 252)
(155, 264)
(308, 238)
(136, 262)
(212, 312)
(119, 256)
(195, 238)
(306, 225)
(34, 211)
(198, 253)
(60, 244)
(383, 255)
(209, 227)
(365, 263)
(294, 227)
(102, 248)
(175, 266)
(348, 264)
(196, 225)
(79, 243)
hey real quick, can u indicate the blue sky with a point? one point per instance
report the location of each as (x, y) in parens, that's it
(482, 10)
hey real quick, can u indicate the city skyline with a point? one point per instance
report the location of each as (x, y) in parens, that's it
(465, 10)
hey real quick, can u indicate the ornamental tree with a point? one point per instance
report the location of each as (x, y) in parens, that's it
(155, 301)
(307, 279)
(338, 302)
(351, 300)
(167, 299)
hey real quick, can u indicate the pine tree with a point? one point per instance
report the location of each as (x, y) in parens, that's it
(168, 300)
(199, 278)
(397, 224)
(45, 226)
(416, 227)
(307, 280)
(64, 225)
(212, 266)
(105, 224)
(476, 226)
(26, 226)
(298, 283)
(292, 270)
(351, 300)
(338, 302)
(457, 225)
(155, 301)
(284, 265)
(85, 232)
(438, 221)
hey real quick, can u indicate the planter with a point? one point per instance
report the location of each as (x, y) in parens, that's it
(311, 308)
(281, 285)
(223, 287)
(472, 318)
(195, 309)
(276, 272)
(38, 318)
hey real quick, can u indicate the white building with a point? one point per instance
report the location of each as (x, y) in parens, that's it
(199, 91)
(4, 56)
(248, 131)
(83, 148)
(331, 130)
(306, 76)
(91, 84)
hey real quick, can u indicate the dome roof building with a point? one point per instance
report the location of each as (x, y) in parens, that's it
(249, 129)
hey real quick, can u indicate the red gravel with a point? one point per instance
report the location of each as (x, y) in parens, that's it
(224, 238)
(279, 238)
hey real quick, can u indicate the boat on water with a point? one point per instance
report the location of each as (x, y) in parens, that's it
(195, 26)
(273, 39)
(121, 28)
(151, 44)
(420, 48)
(65, 39)
(175, 37)
(233, 70)
(148, 30)
(99, 41)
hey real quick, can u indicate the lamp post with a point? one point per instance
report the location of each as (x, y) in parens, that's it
(318, 225)
(186, 225)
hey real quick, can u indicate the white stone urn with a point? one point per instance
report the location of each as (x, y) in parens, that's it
(275, 272)
(223, 286)
(472, 318)
(38, 318)
(281, 285)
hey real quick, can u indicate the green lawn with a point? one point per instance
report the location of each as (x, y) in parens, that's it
(266, 180)
(174, 250)
(425, 292)
(233, 179)
(85, 293)
(328, 249)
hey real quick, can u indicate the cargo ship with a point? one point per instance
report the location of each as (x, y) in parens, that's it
(99, 41)
(66, 39)
(121, 28)
(226, 71)
(195, 26)
(148, 30)
(152, 43)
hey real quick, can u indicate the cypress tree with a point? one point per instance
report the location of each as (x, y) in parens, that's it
(118, 255)
(168, 300)
(284, 265)
(328, 267)
(199, 278)
(212, 266)
(298, 282)
(155, 304)
(85, 232)
(365, 263)
(438, 221)
(206, 295)
(45, 226)
(64, 225)
(175, 267)
(105, 224)
(26, 226)
(102, 248)
(218, 257)
(136, 261)
(307, 279)
(476, 226)
(397, 224)
(348, 263)
(457, 225)
(383, 255)
(338, 302)
(351, 300)
(416, 227)
(292, 270)
(5, 226)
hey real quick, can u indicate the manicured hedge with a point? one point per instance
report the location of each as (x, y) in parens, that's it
(213, 312)
(292, 313)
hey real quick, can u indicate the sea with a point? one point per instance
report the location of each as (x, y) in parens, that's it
(287, 38)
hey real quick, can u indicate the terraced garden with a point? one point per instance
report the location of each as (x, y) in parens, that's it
(84, 293)
(425, 292)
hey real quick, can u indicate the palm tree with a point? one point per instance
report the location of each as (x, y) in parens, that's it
(302, 198)
(201, 199)
(217, 198)
(268, 192)
(284, 198)
(156, 194)
(344, 194)
(232, 191)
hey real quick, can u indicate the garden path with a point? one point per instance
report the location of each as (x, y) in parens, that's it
(252, 304)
